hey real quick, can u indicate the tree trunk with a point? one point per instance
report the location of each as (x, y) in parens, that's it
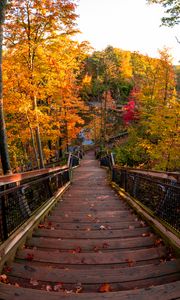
(38, 138)
(60, 152)
(33, 140)
(3, 139)
(39, 145)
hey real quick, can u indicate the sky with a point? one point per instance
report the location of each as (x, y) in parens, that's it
(127, 24)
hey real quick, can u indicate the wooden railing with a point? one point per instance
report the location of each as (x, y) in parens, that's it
(22, 194)
(159, 192)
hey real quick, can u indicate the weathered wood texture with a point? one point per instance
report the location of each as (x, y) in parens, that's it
(92, 239)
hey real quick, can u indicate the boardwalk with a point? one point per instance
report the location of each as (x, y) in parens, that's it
(92, 243)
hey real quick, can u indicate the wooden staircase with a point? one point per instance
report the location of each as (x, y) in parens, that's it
(92, 246)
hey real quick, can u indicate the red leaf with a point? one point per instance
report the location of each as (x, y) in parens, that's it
(96, 249)
(58, 287)
(105, 287)
(158, 242)
(30, 256)
(72, 251)
(7, 269)
(130, 262)
(105, 245)
(78, 250)
(41, 226)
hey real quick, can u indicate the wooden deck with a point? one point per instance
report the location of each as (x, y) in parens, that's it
(92, 246)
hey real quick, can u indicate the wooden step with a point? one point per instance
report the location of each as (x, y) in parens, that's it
(103, 244)
(128, 257)
(91, 226)
(92, 218)
(96, 276)
(101, 234)
(162, 292)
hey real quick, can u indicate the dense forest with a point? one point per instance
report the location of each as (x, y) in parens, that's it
(55, 86)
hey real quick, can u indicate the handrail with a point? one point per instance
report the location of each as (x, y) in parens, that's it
(160, 195)
(158, 174)
(19, 202)
(14, 178)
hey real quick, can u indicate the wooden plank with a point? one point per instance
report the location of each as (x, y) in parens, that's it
(101, 234)
(53, 275)
(109, 244)
(87, 207)
(92, 218)
(114, 257)
(162, 292)
(92, 226)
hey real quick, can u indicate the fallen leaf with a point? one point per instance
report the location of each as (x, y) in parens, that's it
(16, 285)
(146, 234)
(102, 227)
(88, 229)
(34, 282)
(89, 215)
(78, 250)
(131, 227)
(48, 288)
(130, 262)
(78, 288)
(96, 249)
(68, 292)
(142, 224)
(30, 256)
(58, 287)
(105, 245)
(72, 251)
(3, 278)
(7, 269)
(41, 226)
(105, 287)
(158, 242)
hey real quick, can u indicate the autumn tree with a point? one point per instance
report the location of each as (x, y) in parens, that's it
(153, 138)
(3, 140)
(30, 25)
(59, 108)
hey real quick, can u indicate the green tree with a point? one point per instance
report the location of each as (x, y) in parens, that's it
(172, 11)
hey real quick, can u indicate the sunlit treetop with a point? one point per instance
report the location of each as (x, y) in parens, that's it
(35, 20)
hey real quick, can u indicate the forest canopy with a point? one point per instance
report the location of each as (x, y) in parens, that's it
(54, 88)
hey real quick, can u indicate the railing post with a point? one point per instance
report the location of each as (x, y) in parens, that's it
(3, 219)
(125, 180)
